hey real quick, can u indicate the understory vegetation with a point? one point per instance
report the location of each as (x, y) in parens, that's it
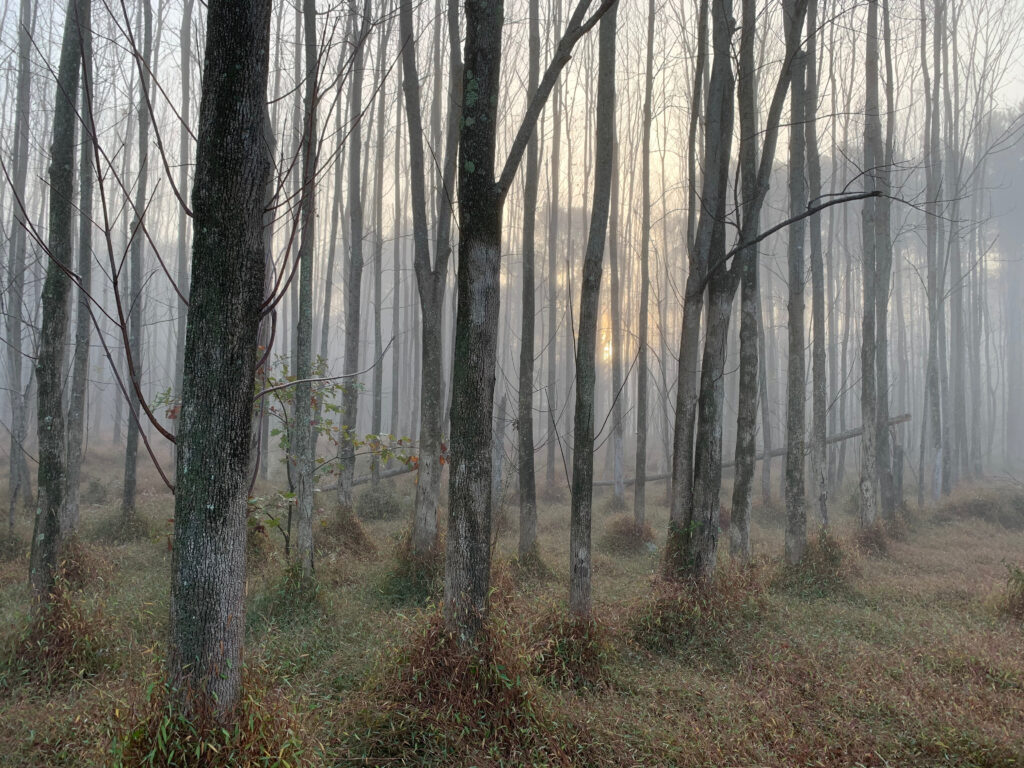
(910, 654)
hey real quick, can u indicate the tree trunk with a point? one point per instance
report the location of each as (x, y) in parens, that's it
(302, 443)
(208, 572)
(184, 146)
(639, 500)
(354, 273)
(83, 316)
(796, 512)
(46, 536)
(135, 297)
(527, 479)
(20, 481)
(819, 373)
(431, 279)
(590, 295)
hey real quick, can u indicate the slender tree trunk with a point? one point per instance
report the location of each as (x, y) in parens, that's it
(83, 318)
(20, 482)
(819, 383)
(431, 278)
(228, 264)
(615, 302)
(354, 273)
(796, 512)
(531, 171)
(46, 536)
(184, 146)
(590, 295)
(551, 401)
(378, 269)
(302, 445)
(639, 489)
(135, 296)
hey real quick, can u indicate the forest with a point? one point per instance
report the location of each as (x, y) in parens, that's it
(512, 383)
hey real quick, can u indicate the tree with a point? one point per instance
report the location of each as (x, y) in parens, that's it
(590, 295)
(20, 480)
(47, 538)
(431, 273)
(481, 202)
(208, 569)
(133, 337)
(639, 501)
(531, 173)
(303, 445)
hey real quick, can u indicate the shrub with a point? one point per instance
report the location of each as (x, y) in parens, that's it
(871, 539)
(433, 701)
(571, 651)
(682, 613)
(530, 567)
(342, 531)
(264, 731)
(82, 564)
(12, 547)
(115, 529)
(94, 493)
(622, 536)
(610, 505)
(63, 642)
(1012, 602)
(825, 568)
(380, 502)
(290, 598)
(997, 503)
(415, 578)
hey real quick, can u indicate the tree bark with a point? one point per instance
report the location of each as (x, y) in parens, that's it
(46, 535)
(135, 296)
(302, 443)
(20, 481)
(354, 273)
(527, 479)
(590, 294)
(83, 316)
(796, 512)
(208, 571)
(639, 489)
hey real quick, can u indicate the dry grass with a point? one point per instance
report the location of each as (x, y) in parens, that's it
(622, 536)
(912, 659)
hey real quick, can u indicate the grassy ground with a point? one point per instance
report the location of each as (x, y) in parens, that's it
(903, 658)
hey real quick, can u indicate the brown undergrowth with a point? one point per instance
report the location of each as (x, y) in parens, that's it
(622, 536)
(265, 730)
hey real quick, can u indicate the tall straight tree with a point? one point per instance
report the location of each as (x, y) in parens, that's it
(354, 273)
(819, 385)
(431, 273)
(302, 442)
(20, 480)
(531, 175)
(83, 316)
(184, 155)
(481, 202)
(869, 237)
(639, 487)
(590, 297)
(47, 540)
(796, 370)
(214, 436)
(135, 298)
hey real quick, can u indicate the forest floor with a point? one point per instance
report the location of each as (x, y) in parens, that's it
(880, 655)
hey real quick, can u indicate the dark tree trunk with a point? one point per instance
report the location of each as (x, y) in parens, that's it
(208, 578)
(83, 316)
(527, 479)
(639, 500)
(590, 295)
(135, 297)
(46, 536)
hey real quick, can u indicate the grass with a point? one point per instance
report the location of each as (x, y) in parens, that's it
(912, 659)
